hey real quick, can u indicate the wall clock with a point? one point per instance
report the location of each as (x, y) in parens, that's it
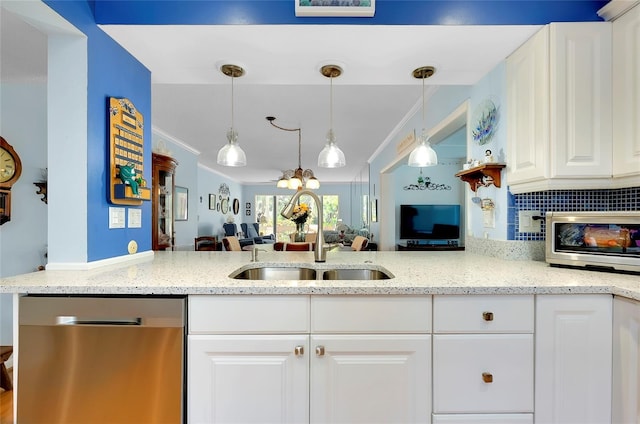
(10, 170)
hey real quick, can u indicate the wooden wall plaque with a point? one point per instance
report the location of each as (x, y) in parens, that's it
(127, 185)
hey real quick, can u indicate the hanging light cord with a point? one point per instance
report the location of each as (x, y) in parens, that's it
(331, 102)
(424, 121)
(232, 78)
(299, 139)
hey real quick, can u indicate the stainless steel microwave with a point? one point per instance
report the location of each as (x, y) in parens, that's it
(607, 241)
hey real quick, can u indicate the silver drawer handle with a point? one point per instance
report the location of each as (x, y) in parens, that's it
(72, 320)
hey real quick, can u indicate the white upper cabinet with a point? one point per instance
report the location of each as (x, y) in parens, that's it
(626, 98)
(559, 109)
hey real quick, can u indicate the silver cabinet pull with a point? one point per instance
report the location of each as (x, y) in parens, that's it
(320, 350)
(298, 350)
(487, 377)
(487, 316)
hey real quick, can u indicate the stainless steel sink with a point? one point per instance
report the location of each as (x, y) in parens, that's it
(277, 273)
(355, 274)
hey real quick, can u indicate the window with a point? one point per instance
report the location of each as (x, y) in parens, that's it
(268, 209)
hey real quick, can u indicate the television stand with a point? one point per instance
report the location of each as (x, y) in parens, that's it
(432, 246)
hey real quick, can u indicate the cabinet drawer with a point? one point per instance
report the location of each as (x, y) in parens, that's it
(482, 419)
(483, 314)
(248, 314)
(371, 314)
(460, 363)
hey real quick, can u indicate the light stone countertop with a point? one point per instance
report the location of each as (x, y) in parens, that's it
(184, 273)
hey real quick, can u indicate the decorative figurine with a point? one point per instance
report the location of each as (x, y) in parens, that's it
(488, 157)
(128, 176)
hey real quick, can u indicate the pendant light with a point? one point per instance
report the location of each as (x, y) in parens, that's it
(331, 156)
(231, 154)
(423, 154)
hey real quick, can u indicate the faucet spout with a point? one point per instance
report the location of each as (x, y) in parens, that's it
(319, 253)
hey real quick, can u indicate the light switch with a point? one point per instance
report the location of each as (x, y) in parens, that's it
(116, 217)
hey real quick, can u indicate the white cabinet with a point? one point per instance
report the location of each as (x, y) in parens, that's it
(626, 361)
(483, 359)
(573, 359)
(370, 378)
(559, 109)
(626, 98)
(318, 359)
(248, 379)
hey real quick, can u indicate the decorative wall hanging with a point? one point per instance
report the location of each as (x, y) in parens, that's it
(10, 171)
(212, 202)
(182, 203)
(485, 122)
(236, 206)
(223, 198)
(424, 183)
(127, 185)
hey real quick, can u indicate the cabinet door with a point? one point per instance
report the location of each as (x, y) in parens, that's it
(626, 361)
(370, 379)
(477, 373)
(580, 94)
(573, 359)
(528, 110)
(626, 94)
(248, 379)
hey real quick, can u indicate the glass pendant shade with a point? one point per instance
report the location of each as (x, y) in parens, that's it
(313, 183)
(423, 154)
(331, 156)
(282, 183)
(231, 154)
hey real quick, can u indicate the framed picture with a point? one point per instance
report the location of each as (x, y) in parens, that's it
(212, 202)
(247, 212)
(374, 210)
(362, 8)
(247, 205)
(182, 203)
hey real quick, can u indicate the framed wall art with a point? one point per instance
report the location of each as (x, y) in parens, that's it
(182, 203)
(212, 202)
(357, 8)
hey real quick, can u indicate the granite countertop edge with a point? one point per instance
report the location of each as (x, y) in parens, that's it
(414, 273)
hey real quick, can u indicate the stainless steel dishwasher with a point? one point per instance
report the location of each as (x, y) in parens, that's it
(100, 360)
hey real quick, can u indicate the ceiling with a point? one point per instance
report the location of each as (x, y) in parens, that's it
(191, 98)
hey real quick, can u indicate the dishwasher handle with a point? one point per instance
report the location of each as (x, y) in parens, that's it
(73, 320)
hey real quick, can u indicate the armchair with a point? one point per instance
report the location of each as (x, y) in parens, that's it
(252, 231)
(231, 230)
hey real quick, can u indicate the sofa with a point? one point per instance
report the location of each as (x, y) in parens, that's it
(230, 229)
(343, 234)
(252, 231)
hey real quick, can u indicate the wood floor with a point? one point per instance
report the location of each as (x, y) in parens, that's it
(6, 404)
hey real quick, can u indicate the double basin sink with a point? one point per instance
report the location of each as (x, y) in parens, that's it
(306, 273)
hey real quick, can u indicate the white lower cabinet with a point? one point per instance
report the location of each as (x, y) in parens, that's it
(573, 359)
(370, 379)
(366, 359)
(483, 359)
(248, 379)
(626, 361)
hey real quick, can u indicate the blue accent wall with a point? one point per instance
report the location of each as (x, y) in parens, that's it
(112, 72)
(388, 12)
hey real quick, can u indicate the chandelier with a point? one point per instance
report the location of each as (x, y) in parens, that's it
(298, 178)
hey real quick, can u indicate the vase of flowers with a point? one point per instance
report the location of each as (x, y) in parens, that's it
(300, 215)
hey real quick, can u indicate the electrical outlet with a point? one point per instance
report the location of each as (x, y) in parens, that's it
(526, 223)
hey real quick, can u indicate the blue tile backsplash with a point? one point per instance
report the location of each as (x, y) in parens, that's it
(623, 199)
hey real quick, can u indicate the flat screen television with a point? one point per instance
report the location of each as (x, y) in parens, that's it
(431, 222)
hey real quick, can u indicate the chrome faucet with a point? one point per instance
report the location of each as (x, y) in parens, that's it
(320, 254)
(254, 254)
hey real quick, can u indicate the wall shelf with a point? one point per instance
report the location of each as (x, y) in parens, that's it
(483, 175)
